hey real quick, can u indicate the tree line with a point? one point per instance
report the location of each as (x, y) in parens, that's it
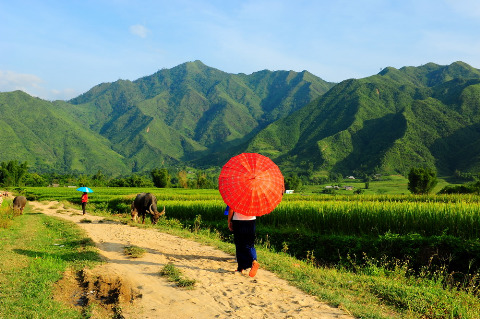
(16, 174)
(421, 180)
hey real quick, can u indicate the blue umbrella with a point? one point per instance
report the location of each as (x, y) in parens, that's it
(85, 190)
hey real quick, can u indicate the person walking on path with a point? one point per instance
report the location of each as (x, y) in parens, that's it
(84, 202)
(243, 228)
(251, 185)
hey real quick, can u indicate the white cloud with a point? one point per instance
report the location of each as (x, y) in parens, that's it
(139, 30)
(11, 81)
(33, 85)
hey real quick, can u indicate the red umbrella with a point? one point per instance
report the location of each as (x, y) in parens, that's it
(251, 184)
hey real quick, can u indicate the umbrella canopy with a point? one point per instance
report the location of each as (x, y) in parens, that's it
(251, 184)
(84, 189)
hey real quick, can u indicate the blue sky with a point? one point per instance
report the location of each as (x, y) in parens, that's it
(58, 49)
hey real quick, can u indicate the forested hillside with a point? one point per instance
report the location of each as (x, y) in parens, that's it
(50, 140)
(389, 122)
(168, 118)
(195, 114)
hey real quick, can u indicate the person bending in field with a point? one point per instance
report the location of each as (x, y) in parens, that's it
(243, 228)
(84, 202)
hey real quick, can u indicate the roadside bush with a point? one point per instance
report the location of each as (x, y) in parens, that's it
(471, 188)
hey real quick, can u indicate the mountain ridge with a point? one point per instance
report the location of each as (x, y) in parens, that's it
(197, 115)
(186, 112)
(386, 122)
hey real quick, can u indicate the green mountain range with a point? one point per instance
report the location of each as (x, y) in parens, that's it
(388, 122)
(173, 116)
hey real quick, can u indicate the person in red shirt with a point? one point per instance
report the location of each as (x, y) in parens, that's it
(84, 202)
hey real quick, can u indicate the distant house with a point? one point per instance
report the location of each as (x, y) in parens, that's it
(348, 188)
(351, 177)
(289, 191)
(330, 187)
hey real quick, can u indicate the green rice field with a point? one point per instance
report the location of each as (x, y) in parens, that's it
(370, 215)
(333, 226)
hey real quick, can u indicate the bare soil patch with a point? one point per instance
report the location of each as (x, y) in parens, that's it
(135, 286)
(101, 291)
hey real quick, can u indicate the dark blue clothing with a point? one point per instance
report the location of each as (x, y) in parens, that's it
(244, 239)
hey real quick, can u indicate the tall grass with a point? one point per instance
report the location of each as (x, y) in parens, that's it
(459, 219)
(6, 217)
(7, 214)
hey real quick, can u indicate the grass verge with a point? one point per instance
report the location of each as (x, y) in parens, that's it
(35, 252)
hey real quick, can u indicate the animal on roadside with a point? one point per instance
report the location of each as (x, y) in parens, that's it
(147, 203)
(19, 203)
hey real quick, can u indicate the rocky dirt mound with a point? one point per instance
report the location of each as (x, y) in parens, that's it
(100, 292)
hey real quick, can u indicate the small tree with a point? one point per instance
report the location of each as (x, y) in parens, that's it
(98, 179)
(183, 179)
(421, 180)
(160, 177)
(293, 182)
(202, 181)
(367, 180)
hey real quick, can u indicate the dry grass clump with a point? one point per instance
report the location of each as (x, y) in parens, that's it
(6, 217)
(134, 251)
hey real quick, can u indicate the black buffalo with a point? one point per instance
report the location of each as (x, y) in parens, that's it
(19, 203)
(146, 203)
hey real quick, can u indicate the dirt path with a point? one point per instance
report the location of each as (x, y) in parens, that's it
(218, 292)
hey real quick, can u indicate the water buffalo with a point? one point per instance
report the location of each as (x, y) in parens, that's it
(19, 203)
(146, 203)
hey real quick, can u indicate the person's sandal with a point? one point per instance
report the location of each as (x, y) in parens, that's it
(253, 270)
